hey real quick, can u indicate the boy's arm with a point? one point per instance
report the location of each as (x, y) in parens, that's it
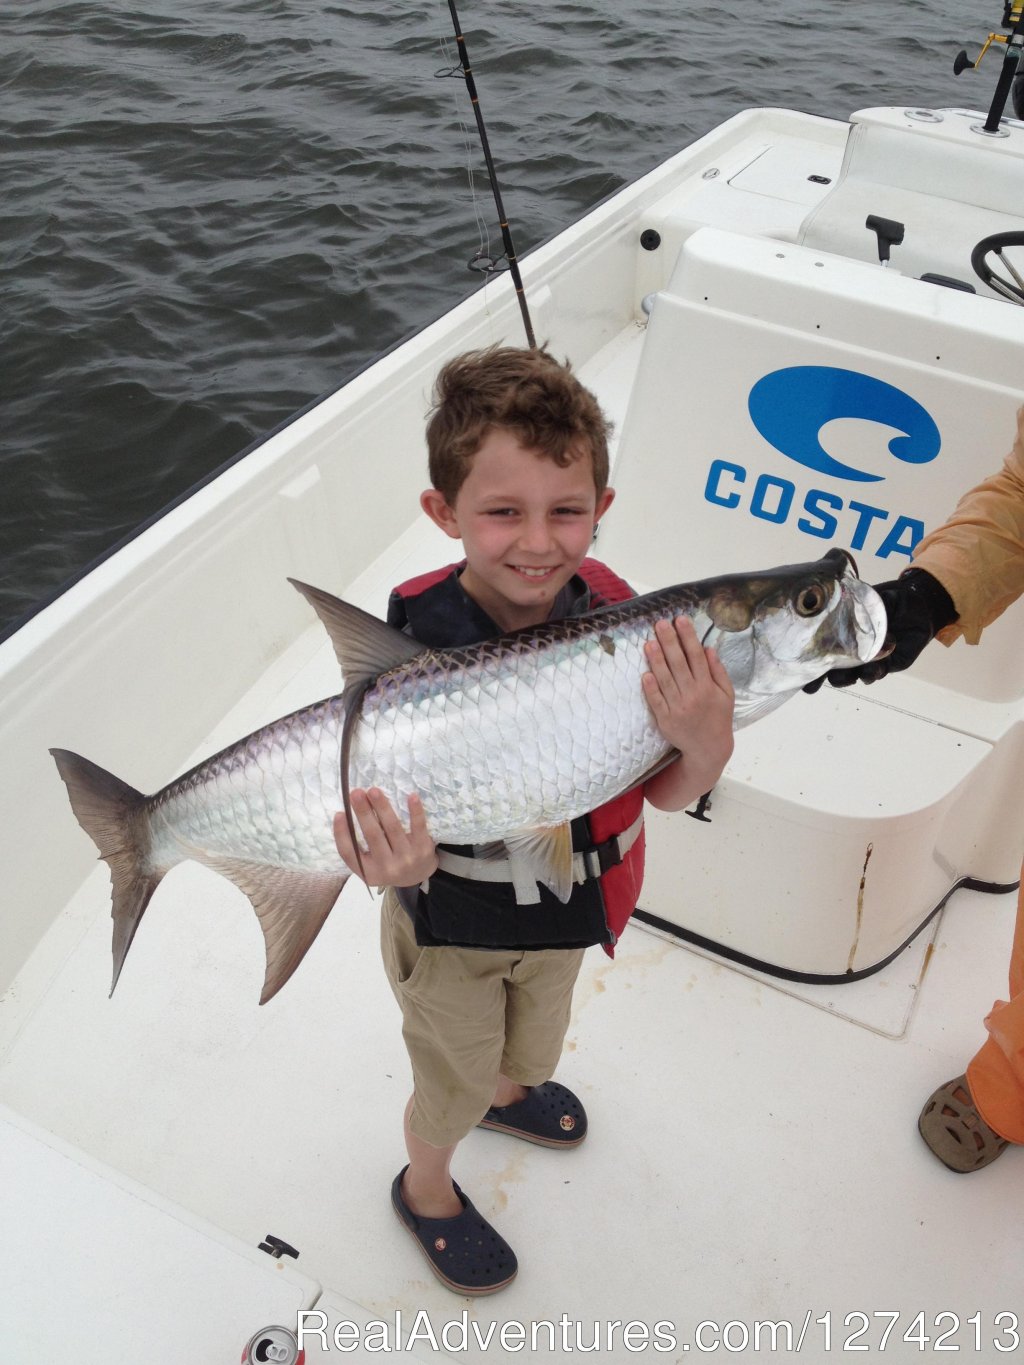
(691, 698)
(392, 856)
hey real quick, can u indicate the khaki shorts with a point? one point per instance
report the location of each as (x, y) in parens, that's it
(470, 1013)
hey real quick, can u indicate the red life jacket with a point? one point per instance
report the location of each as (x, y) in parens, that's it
(619, 885)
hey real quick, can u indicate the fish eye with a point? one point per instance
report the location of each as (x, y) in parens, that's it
(809, 601)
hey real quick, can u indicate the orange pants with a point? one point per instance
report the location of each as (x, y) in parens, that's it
(996, 1075)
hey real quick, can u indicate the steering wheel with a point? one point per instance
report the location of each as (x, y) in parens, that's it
(1011, 284)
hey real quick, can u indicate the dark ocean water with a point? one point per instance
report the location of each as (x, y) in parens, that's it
(212, 213)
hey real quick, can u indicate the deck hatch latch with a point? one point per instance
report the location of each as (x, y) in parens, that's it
(277, 1247)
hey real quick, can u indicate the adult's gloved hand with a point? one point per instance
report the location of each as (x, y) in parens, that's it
(917, 607)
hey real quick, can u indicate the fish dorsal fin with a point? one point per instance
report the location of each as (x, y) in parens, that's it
(365, 646)
(292, 905)
(542, 855)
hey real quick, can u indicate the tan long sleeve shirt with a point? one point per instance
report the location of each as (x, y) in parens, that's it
(978, 554)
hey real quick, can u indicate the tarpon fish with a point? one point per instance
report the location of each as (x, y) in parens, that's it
(505, 742)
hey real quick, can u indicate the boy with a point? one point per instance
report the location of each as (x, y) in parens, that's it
(519, 468)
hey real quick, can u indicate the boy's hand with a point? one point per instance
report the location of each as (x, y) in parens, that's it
(392, 856)
(692, 699)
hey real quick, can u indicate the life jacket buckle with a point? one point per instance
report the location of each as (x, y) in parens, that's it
(599, 859)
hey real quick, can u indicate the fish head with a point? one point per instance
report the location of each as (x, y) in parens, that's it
(777, 631)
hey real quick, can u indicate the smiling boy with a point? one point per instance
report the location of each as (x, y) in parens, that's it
(483, 975)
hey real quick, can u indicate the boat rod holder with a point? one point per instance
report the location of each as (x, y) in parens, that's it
(1013, 42)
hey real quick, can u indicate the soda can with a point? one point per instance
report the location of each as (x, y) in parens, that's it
(273, 1346)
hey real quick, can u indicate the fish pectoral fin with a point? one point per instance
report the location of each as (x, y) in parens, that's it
(737, 653)
(545, 855)
(364, 645)
(291, 905)
(748, 708)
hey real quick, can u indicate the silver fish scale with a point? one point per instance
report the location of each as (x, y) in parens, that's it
(270, 798)
(531, 731)
(536, 729)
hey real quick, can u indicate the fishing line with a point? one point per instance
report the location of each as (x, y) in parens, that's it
(487, 264)
(482, 226)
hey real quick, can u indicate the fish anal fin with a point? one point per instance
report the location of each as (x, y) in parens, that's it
(545, 855)
(291, 905)
(364, 645)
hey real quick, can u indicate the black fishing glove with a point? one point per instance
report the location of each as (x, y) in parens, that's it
(917, 607)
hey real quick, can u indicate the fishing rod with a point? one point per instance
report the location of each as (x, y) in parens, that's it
(506, 233)
(1010, 76)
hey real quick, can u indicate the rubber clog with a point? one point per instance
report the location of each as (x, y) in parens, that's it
(956, 1132)
(550, 1115)
(464, 1252)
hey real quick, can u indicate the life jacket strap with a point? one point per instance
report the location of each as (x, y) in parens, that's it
(587, 864)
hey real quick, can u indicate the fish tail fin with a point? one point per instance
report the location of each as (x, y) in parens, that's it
(112, 814)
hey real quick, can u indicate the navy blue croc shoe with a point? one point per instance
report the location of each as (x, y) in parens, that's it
(550, 1115)
(464, 1252)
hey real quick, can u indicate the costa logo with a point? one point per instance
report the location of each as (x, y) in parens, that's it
(790, 408)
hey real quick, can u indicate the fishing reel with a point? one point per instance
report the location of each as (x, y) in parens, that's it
(1011, 78)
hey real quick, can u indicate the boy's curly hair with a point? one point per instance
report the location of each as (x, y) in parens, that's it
(528, 392)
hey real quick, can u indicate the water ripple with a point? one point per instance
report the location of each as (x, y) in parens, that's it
(213, 213)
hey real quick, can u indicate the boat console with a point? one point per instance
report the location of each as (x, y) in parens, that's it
(793, 391)
(788, 398)
(937, 173)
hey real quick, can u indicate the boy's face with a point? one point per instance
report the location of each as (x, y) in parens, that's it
(525, 524)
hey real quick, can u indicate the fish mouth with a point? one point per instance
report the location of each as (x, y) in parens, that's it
(870, 623)
(859, 623)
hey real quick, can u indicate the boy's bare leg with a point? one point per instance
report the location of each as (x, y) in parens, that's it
(507, 1092)
(427, 1187)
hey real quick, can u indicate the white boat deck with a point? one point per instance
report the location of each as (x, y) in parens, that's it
(752, 1156)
